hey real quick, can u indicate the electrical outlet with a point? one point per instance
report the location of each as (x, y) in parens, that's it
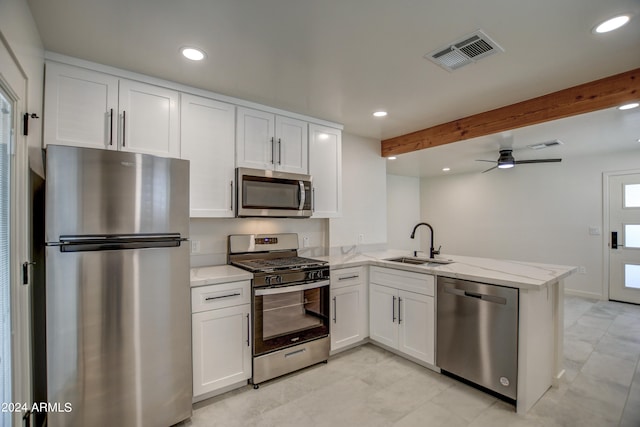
(582, 269)
(195, 246)
(360, 238)
(305, 241)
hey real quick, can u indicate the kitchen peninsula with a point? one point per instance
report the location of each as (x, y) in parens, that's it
(540, 317)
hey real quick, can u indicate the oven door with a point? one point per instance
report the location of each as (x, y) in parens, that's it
(287, 315)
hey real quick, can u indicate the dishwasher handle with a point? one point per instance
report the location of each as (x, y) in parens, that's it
(468, 294)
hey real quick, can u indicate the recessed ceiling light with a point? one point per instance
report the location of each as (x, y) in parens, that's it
(380, 114)
(611, 24)
(392, 158)
(192, 53)
(446, 169)
(628, 106)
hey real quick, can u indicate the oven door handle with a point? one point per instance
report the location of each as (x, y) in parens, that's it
(290, 288)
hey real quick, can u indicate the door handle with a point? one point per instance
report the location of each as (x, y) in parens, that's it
(272, 149)
(399, 310)
(335, 310)
(111, 127)
(279, 151)
(394, 309)
(124, 127)
(614, 240)
(248, 329)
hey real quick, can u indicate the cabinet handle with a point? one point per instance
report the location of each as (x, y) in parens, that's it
(231, 195)
(313, 199)
(124, 127)
(335, 310)
(393, 305)
(279, 151)
(248, 329)
(399, 310)
(222, 296)
(272, 149)
(348, 277)
(111, 127)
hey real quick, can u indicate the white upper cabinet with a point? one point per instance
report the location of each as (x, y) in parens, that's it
(207, 141)
(325, 167)
(81, 107)
(149, 119)
(85, 108)
(269, 141)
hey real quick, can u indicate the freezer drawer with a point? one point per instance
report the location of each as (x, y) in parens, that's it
(477, 333)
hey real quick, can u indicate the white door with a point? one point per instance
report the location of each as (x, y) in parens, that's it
(624, 238)
(383, 315)
(81, 107)
(207, 140)
(292, 139)
(149, 119)
(325, 166)
(416, 319)
(221, 348)
(346, 310)
(255, 142)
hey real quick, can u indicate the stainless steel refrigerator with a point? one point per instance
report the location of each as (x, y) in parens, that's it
(116, 328)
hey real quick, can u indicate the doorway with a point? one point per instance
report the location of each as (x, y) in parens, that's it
(624, 237)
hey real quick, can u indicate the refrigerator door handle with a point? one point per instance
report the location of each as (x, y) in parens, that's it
(118, 242)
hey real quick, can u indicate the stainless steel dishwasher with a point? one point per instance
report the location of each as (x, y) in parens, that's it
(477, 334)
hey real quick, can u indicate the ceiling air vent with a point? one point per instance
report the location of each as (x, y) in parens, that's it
(547, 144)
(465, 51)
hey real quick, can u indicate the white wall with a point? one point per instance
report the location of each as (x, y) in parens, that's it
(403, 212)
(538, 213)
(364, 197)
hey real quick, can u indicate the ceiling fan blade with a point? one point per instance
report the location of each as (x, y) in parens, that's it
(490, 169)
(491, 161)
(521, 162)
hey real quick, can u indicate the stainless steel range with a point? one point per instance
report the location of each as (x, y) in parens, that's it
(290, 302)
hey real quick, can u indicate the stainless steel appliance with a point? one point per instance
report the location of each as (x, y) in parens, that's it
(477, 334)
(112, 335)
(273, 194)
(290, 303)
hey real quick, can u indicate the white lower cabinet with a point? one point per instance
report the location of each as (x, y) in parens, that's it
(402, 312)
(349, 311)
(221, 322)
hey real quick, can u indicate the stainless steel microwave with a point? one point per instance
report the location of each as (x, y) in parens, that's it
(265, 193)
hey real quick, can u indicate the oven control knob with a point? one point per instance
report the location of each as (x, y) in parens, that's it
(273, 280)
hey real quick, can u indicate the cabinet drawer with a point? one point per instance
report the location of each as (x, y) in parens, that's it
(405, 280)
(347, 277)
(220, 296)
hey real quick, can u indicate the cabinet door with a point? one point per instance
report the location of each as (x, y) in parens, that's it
(221, 348)
(80, 107)
(149, 119)
(383, 315)
(325, 166)
(207, 141)
(417, 326)
(255, 142)
(347, 307)
(292, 139)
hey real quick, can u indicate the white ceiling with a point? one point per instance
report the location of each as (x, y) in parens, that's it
(340, 60)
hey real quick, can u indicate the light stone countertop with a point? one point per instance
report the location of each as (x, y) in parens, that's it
(216, 274)
(515, 274)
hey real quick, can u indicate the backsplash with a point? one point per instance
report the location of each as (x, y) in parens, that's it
(209, 235)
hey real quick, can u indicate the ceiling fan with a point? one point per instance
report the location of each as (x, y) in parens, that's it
(506, 160)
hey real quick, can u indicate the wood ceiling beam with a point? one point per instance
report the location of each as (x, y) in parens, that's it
(585, 98)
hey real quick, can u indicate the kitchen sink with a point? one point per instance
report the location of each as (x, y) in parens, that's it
(430, 262)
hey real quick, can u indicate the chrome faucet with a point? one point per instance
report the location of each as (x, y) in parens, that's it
(432, 251)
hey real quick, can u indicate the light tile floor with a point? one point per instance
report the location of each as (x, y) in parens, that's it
(368, 386)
